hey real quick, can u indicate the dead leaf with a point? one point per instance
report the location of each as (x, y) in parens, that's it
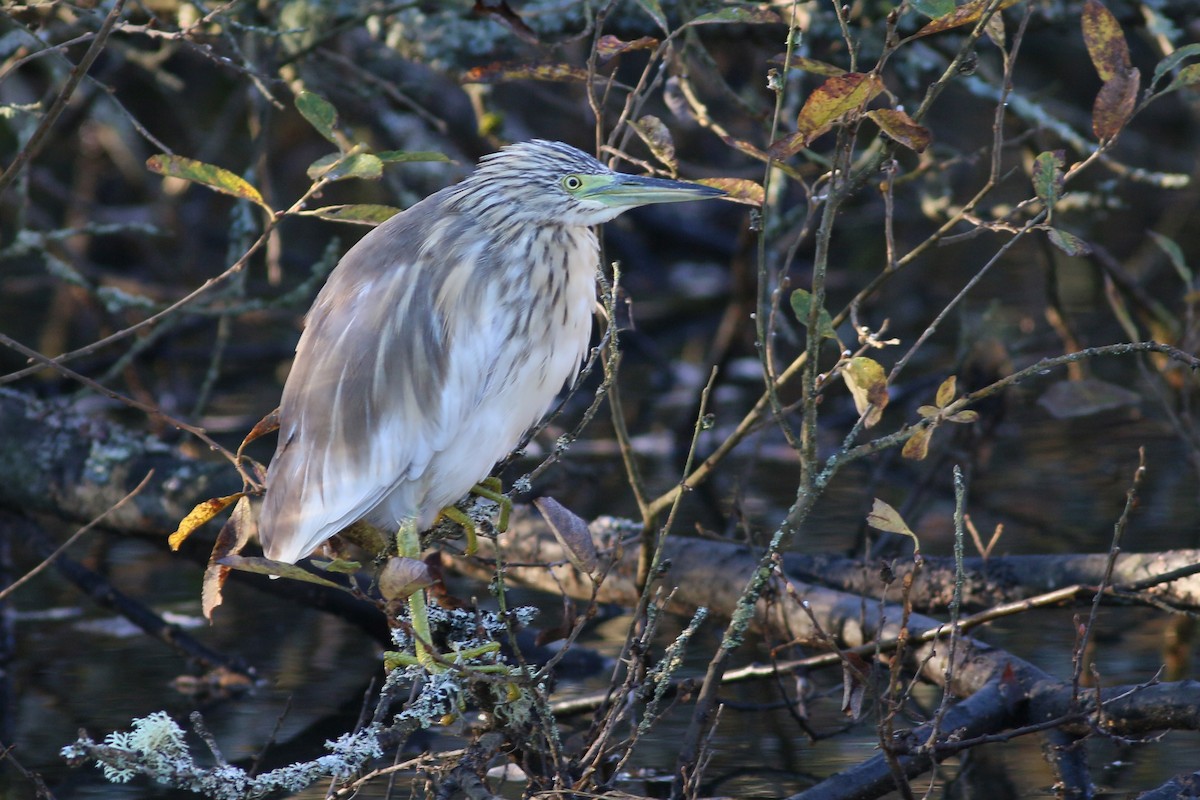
(1105, 41)
(834, 100)
(199, 516)
(609, 47)
(1115, 103)
(901, 128)
(738, 190)
(654, 133)
(572, 533)
(868, 385)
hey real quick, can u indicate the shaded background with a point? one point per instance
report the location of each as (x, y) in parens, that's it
(91, 242)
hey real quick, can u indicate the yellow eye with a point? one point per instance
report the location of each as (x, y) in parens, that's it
(572, 183)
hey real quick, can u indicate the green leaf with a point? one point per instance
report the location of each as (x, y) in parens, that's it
(336, 167)
(654, 9)
(1069, 243)
(802, 304)
(214, 177)
(265, 566)
(320, 113)
(361, 214)
(737, 14)
(933, 8)
(1175, 254)
(403, 157)
(1170, 62)
(1048, 176)
(1188, 76)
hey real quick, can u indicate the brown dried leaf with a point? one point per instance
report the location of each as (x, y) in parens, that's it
(572, 533)
(265, 566)
(609, 46)
(235, 533)
(266, 425)
(901, 127)
(885, 518)
(654, 133)
(1115, 103)
(1105, 41)
(402, 577)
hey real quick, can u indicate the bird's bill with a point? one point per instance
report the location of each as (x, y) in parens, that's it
(636, 190)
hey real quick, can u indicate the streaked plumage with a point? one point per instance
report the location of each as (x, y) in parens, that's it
(439, 339)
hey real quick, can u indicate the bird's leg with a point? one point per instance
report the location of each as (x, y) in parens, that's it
(488, 489)
(408, 545)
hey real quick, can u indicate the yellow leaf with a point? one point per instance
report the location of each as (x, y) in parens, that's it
(945, 392)
(831, 102)
(917, 447)
(1105, 41)
(901, 128)
(885, 518)
(738, 190)
(868, 385)
(200, 515)
(214, 177)
(966, 14)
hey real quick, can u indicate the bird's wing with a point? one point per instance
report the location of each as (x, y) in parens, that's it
(364, 408)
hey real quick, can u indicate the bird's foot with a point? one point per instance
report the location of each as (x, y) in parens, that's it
(488, 489)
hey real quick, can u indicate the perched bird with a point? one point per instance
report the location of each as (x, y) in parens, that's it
(439, 339)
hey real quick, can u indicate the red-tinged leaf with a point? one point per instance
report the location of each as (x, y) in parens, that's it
(810, 65)
(1115, 103)
(966, 14)
(320, 113)
(500, 11)
(868, 386)
(266, 425)
(1105, 41)
(502, 72)
(739, 190)
(901, 128)
(1048, 176)
(946, 392)
(359, 214)
(214, 177)
(654, 133)
(745, 15)
(1188, 76)
(609, 46)
(199, 516)
(572, 533)
(788, 146)
(234, 535)
(1069, 243)
(834, 100)
(917, 447)
(1082, 398)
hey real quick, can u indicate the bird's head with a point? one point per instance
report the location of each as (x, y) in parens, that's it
(551, 182)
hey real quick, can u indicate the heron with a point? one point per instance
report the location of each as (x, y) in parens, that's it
(438, 340)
